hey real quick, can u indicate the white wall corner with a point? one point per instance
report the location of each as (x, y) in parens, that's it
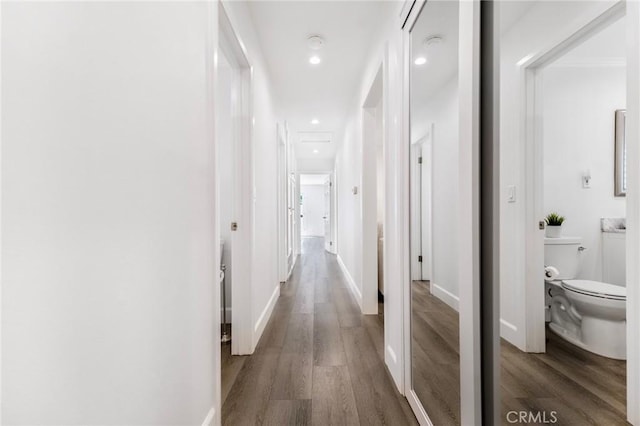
(352, 284)
(265, 315)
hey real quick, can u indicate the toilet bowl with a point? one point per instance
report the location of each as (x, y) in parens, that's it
(591, 315)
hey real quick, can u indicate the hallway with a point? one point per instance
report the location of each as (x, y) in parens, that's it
(319, 361)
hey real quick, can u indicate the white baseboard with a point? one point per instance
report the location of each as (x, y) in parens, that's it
(509, 332)
(208, 421)
(265, 315)
(446, 296)
(392, 354)
(293, 265)
(352, 284)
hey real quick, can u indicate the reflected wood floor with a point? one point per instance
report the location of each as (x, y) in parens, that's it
(435, 355)
(319, 360)
(582, 388)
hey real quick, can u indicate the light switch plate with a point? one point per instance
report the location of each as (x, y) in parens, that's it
(511, 193)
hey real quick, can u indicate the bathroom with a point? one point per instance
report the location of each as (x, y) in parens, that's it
(584, 95)
(563, 303)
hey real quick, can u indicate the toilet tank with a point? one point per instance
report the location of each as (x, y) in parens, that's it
(563, 254)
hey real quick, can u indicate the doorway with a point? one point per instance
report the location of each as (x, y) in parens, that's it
(234, 177)
(571, 93)
(316, 208)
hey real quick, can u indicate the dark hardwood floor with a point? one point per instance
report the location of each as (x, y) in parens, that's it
(579, 387)
(435, 355)
(319, 360)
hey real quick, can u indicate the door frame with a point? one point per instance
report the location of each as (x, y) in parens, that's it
(372, 114)
(471, 404)
(532, 70)
(243, 206)
(422, 270)
(333, 217)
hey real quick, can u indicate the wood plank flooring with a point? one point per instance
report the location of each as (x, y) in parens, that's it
(435, 355)
(582, 388)
(319, 361)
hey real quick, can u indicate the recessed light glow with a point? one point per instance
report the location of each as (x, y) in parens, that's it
(420, 60)
(315, 121)
(314, 60)
(315, 151)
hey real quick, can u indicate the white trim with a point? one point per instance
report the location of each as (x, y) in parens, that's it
(293, 265)
(243, 203)
(1, 245)
(403, 252)
(352, 284)
(418, 409)
(392, 354)
(509, 332)
(212, 46)
(469, 215)
(370, 114)
(633, 213)
(208, 421)
(263, 319)
(590, 63)
(446, 296)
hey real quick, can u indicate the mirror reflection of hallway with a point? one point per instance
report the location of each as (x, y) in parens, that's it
(434, 165)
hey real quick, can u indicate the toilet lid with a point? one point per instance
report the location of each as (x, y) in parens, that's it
(596, 288)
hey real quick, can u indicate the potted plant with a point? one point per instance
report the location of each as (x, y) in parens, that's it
(554, 225)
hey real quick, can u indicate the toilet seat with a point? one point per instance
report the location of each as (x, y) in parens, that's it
(596, 289)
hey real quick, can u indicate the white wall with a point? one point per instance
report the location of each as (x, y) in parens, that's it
(314, 165)
(265, 282)
(441, 109)
(543, 25)
(388, 50)
(109, 309)
(578, 119)
(312, 210)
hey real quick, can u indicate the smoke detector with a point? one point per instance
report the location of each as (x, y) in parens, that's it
(315, 42)
(432, 41)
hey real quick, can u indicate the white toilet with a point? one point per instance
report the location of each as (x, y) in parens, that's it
(589, 314)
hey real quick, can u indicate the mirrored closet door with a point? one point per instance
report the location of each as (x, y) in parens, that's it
(438, 287)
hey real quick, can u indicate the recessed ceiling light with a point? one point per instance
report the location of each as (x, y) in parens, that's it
(314, 60)
(420, 60)
(315, 121)
(315, 151)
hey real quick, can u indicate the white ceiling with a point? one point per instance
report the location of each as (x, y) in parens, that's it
(323, 91)
(438, 18)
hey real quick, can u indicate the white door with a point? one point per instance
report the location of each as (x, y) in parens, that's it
(327, 215)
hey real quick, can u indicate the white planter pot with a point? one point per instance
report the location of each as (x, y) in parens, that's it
(553, 231)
